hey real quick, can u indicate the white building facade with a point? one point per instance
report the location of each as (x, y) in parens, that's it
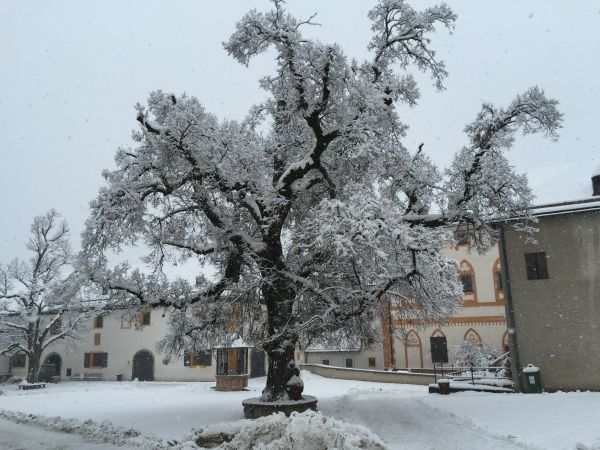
(113, 348)
(481, 318)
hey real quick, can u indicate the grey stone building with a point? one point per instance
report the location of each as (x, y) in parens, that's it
(552, 294)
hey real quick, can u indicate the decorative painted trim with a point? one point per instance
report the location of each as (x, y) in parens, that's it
(471, 330)
(420, 345)
(475, 320)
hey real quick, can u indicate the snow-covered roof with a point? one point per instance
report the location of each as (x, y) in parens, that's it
(567, 207)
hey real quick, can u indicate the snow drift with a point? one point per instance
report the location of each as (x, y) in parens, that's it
(309, 430)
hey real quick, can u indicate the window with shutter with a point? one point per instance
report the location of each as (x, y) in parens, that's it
(145, 318)
(536, 266)
(98, 322)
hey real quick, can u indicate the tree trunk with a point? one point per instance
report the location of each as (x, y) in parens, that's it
(281, 341)
(33, 369)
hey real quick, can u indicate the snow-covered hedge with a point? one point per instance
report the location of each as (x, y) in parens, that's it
(302, 431)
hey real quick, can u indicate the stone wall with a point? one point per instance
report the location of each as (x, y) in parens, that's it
(556, 319)
(379, 376)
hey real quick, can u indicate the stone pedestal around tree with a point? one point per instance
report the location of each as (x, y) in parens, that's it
(255, 407)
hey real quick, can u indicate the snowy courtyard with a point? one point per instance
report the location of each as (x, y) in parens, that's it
(404, 416)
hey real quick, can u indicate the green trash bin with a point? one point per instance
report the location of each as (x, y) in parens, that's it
(533, 380)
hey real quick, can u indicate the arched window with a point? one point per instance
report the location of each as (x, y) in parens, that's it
(472, 335)
(413, 350)
(466, 275)
(498, 287)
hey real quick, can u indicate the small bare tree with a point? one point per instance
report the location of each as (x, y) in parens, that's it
(40, 301)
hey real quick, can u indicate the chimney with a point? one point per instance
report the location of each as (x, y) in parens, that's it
(596, 184)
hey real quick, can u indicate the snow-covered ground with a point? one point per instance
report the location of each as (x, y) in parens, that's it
(14, 436)
(404, 416)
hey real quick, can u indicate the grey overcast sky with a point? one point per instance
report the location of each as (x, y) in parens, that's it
(71, 72)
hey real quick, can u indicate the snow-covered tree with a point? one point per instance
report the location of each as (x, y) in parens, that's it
(473, 352)
(40, 299)
(321, 217)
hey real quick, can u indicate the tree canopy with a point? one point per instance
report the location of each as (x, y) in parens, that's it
(321, 216)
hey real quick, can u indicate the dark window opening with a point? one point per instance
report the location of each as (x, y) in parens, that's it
(467, 283)
(537, 268)
(462, 237)
(99, 322)
(97, 338)
(372, 362)
(69, 371)
(56, 327)
(325, 362)
(439, 349)
(499, 281)
(349, 363)
(19, 360)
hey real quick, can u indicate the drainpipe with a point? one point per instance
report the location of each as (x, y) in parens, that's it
(510, 314)
(392, 352)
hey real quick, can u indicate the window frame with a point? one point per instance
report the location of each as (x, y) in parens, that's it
(20, 355)
(372, 362)
(125, 323)
(323, 363)
(97, 339)
(351, 359)
(142, 316)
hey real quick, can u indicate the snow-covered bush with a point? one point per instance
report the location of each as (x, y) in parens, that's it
(475, 353)
(302, 431)
(14, 380)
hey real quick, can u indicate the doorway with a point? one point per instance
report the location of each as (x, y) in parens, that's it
(143, 366)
